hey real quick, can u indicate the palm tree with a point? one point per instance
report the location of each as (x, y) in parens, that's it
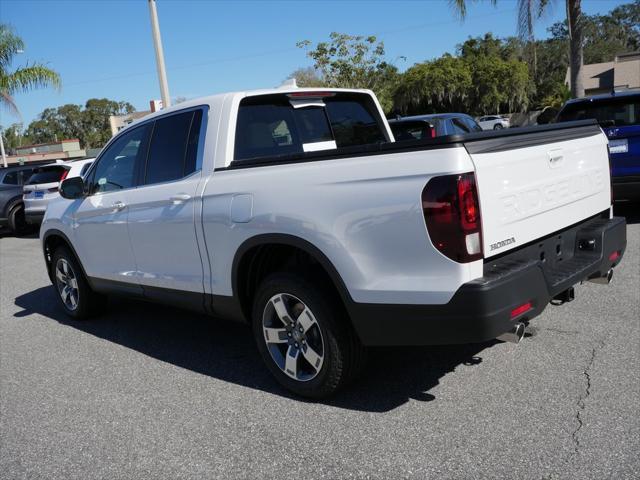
(528, 12)
(23, 79)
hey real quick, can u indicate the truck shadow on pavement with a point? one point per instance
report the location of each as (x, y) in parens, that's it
(226, 351)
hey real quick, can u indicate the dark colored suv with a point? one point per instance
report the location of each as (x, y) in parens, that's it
(619, 116)
(11, 206)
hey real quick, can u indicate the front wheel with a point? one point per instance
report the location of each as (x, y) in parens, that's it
(498, 126)
(303, 336)
(74, 293)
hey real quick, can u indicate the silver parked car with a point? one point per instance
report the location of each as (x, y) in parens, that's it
(43, 186)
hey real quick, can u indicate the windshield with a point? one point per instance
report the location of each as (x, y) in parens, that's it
(613, 111)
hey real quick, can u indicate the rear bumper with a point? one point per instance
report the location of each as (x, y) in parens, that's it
(626, 188)
(482, 309)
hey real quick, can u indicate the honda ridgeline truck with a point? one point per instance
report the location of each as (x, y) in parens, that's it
(294, 210)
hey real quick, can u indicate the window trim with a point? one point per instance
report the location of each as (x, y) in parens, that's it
(132, 127)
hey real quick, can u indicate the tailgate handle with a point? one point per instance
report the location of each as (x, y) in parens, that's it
(555, 158)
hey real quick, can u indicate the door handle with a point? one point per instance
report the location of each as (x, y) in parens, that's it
(118, 206)
(179, 198)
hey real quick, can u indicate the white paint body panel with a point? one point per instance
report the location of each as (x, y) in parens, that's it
(363, 213)
(530, 192)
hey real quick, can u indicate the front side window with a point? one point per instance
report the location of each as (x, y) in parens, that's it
(173, 148)
(117, 166)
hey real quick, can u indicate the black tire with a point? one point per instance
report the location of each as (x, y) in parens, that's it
(17, 222)
(498, 126)
(87, 302)
(343, 355)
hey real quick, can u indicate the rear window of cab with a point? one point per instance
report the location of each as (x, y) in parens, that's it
(288, 124)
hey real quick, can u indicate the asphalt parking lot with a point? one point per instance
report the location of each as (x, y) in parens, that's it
(151, 392)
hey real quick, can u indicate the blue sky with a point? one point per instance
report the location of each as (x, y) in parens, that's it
(103, 48)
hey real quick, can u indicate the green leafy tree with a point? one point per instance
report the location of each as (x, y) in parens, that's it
(89, 124)
(13, 136)
(531, 10)
(348, 61)
(307, 77)
(486, 76)
(25, 78)
(605, 36)
(434, 86)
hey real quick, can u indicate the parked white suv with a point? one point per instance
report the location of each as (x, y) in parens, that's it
(44, 184)
(493, 122)
(294, 210)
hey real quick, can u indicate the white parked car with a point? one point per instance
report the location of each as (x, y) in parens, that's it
(295, 211)
(493, 122)
(44, 184)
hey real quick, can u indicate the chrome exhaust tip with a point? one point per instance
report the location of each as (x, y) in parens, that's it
(604, 280)
(514, 335)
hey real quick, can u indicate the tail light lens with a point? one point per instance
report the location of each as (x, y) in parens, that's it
(452, 214)
(64, 175)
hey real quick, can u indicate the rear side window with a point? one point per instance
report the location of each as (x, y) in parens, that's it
(458, 126)
(471, 124)
(47, 175)
(173, 148)
(10, 178)
(617, 111)
(270, 126)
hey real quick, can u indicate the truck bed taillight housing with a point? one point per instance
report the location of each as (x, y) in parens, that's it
(452, 214)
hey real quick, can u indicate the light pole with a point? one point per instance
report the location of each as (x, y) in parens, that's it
(4, 157)
(157, 43)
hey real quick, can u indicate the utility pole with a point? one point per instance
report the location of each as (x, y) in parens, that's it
(157, 43)
(4, 157)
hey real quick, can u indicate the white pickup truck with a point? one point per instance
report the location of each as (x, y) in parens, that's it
(294, 210)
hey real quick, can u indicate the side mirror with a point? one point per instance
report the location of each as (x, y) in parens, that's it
(72, 188)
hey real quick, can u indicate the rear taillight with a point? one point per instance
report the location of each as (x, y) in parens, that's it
(452, 214)
(64, 175)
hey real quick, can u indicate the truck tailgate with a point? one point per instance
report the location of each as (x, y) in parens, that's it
(538, 182)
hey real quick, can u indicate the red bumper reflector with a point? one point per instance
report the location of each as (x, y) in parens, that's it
(614, 256)
(525, 307)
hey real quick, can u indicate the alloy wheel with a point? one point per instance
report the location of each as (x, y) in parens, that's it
(67, 283)
(293, 337)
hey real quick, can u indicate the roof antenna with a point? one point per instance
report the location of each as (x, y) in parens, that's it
(288, 83)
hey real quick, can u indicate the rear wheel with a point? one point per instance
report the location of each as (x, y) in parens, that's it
(304, 337)
(74, 293)
(498, 126)
(17, 222)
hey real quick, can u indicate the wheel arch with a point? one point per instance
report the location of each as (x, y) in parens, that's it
(11, 203)
(247, 259)
(53, 239)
